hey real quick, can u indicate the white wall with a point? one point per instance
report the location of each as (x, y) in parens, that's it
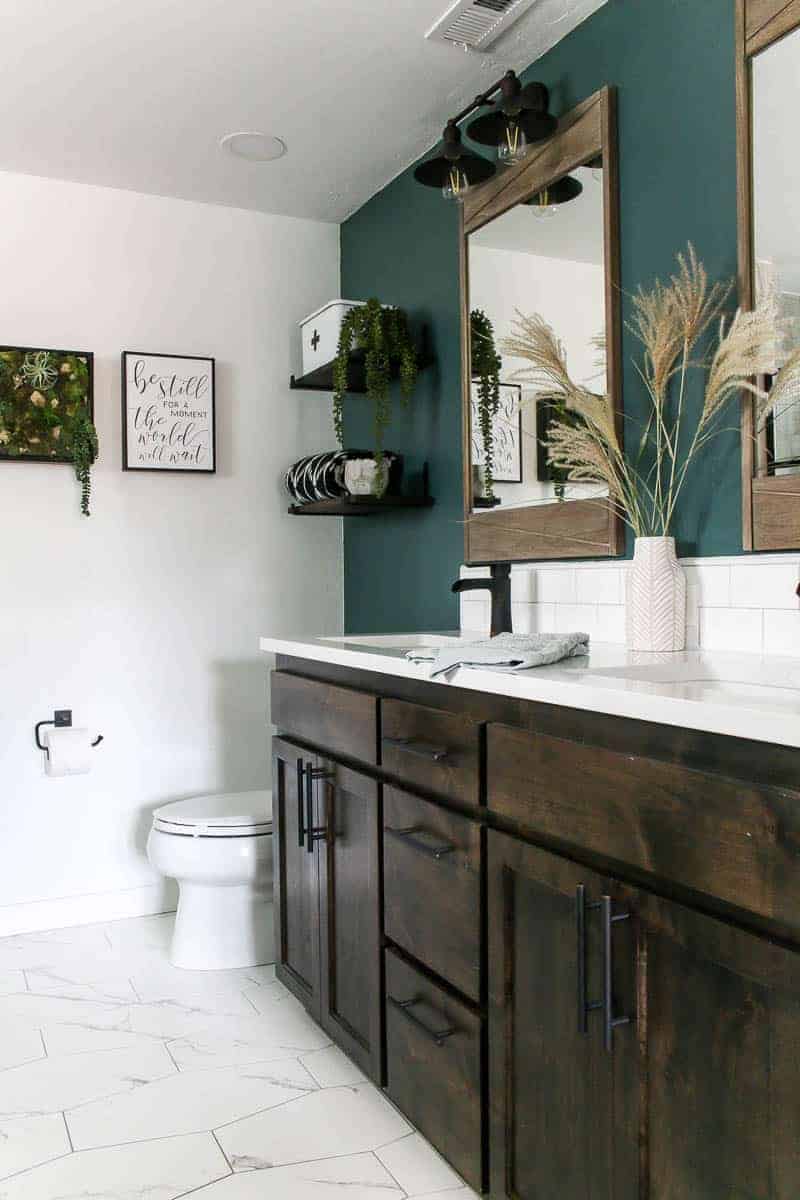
(144, 619)
(570, 297)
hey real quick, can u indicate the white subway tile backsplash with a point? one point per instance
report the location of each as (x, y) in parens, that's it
(599, 586)
(736, 603)
(782, 633)
(555, 586)
(713, 584)
(757, 586)
(737, 629)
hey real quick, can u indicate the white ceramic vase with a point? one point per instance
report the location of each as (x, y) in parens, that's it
(656, 607)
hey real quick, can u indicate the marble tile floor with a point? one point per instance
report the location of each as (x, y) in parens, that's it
(122, 1078)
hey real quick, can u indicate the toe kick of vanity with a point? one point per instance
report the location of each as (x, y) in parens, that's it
(554, 936)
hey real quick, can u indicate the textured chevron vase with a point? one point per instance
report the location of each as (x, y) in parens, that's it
(656, 609)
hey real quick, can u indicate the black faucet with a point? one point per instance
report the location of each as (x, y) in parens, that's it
(499, 584)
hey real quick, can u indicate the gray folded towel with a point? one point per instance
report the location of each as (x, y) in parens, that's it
(506, 652)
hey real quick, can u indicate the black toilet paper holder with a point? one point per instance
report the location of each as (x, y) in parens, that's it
(62, 719)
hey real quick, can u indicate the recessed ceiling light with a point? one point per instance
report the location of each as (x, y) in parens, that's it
(255, 147)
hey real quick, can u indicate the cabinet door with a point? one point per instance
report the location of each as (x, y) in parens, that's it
(718, 1049)
(557, 1098)
(350, 890)
(296, 875)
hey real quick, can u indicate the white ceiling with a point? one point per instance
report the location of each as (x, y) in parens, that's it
(574, 231)
(136, 93)
(776, 163)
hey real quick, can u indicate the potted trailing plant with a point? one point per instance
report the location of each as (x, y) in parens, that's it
(672, 322)
(485, 364)
(44, 411)
(383, 336)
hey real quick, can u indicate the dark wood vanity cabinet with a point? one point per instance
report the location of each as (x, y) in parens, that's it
(328, 897)
(638, 1048)
(572, 958)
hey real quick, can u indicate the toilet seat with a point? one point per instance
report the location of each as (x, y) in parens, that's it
(236, 814)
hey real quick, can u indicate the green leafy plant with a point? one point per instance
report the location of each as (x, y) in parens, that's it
(384, 337)
(485, 364)
(45, 414)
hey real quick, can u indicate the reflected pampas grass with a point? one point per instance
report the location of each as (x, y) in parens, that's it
(672, 321)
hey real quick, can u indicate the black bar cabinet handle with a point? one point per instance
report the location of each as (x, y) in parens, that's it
(301, 831)
(419, 749)
(610, 1022)
(406, 1007)
(312, 834)
(584, 1005)
(409, 836)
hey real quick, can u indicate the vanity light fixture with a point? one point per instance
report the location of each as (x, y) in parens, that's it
(546, 202)
(454, 169)
(519, 116)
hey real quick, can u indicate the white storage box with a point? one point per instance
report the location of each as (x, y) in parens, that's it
(320, 333)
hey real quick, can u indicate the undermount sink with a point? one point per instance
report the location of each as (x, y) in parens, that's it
(776, 684)
(398, 641)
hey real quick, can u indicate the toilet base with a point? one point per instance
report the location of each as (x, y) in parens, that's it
(221, 928)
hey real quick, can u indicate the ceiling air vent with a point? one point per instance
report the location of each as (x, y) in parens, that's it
(477, 23)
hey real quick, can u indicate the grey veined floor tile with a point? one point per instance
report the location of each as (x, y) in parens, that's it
(187, 1103)
(27, 1141)
(158, 1170)
(344, 1120)
(357, 1176)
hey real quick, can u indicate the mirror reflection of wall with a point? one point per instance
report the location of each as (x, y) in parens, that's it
(776, 200)
(544, 258)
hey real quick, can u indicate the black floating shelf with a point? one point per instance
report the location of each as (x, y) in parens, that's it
(321, 378)
(358, 506)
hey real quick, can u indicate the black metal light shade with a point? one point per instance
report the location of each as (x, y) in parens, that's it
(435, 172)
(490, 129)
(563, 190)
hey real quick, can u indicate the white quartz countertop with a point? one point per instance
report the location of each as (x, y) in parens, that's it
(739, 695)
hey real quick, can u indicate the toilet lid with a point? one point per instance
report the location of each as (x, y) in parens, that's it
(234, 814)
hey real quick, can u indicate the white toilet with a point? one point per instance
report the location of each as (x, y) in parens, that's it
(219, 849)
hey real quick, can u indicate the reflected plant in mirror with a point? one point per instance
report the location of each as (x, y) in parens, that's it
(485, 365)
(644, 479)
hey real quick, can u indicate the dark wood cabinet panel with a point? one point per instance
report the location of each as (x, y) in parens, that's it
(432, 749)
(433, 1065)
(717, 1057)
(296, 907)
(432, 887)
(340, 720)
(732, 840)
(558, 1099)
(350, 914)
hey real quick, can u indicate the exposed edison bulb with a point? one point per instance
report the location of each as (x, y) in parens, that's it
(514, 145)
(456, 185)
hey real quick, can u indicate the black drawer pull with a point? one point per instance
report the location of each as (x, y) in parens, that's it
(610, 1021)
(585, 1006)
(414, 836)
(417, 748)
(319, 834)
(406, 1007)
(301, 831)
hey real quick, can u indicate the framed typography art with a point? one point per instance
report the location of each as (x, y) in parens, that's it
(168, 417)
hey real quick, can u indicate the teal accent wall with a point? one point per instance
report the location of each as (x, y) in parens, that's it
(672, 62)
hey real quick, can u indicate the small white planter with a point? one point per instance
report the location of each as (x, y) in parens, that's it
(656, 602)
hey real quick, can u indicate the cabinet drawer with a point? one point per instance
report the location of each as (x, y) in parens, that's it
(433, 1061)
(434, 750)
(337, 719)
(727, 838)
(432, 887)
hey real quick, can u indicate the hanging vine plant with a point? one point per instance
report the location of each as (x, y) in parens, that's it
(485, 370)
(45, 410)
(383, 335)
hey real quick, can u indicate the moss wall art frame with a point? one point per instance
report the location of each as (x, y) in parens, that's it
(47, 409)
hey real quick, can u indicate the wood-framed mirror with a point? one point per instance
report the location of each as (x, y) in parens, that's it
(767, 89)
(542, 237)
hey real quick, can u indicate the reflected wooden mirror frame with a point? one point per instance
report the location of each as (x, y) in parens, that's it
(770, 504)
(577, 528)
